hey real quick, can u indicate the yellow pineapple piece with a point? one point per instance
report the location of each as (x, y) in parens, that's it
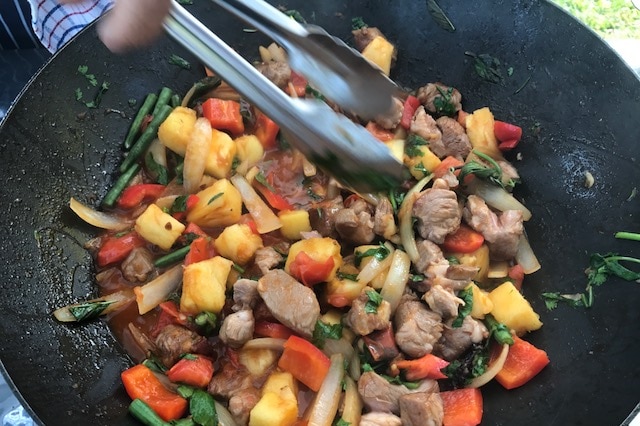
(175, 131)
(158, 227)
(380, 52)
(482, 305)
(293, 223)
(218, 205)
(513, 310)
(204, 285)
(238, 243)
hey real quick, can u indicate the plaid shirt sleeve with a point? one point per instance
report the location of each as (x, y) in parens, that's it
(55, 24)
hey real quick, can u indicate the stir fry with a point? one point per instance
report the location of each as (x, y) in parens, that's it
(251, 288)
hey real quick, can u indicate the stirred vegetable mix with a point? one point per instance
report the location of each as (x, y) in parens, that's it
(251, 288)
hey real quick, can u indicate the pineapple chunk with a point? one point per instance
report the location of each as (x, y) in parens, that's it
(221, 154)
(342, 291)
(424, 160)
(175, 131)
(293, 223)
(158, 227)
(278, 405)
(249, 151)
(218, 205)
(238, 243)
(479, 259)
(479, 127)
(204, 285)
(482, 305)
(258, 361)
(513, 310)
(381, 53)
(318, 249)
(396, 147)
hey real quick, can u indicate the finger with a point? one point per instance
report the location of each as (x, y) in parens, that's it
(132, 23)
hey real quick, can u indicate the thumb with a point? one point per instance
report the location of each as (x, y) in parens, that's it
(132, 23)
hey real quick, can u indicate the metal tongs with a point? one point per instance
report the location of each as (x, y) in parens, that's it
(340, 147)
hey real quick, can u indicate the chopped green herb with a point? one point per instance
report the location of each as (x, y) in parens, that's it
(295, 15)
(342, 276)
(78, 94)
(443, 102)
(522, 86)
(311, 91)
(421, 168)
(323, 331)
(396, 197)
(159, 171)
(487, 67)
(215, 197)
(463, 310)
(416, 278)
(91, 78)
(551, 300)
(491, 172)
(342, 422)
(95, 103)
(510, 71)
(375, 299)
(357, 23)
(179, 61)
(380, 253)
(89, 310)
(206, 321)
(453, 260)
(238, 268)
(397, 380)
(132, 102)
(633, 194)
(203, 409)
(261, 178)
(154, 364)
(439, 16)
(499, 331)
(179, 204)
(469, 366)
(412, 144)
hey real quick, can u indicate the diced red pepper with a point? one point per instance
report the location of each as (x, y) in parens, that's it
(266, 131)
(380, 133)
(299, 84)
(508, 145)
(272, 329)
(169, 314)
(516, 273)
(116, 249)
(462, 407)
(305, 362)
(462, 118)
(524, 361)
(190, 203)
(411, 104)
(508, 135)
(192, 228)
(276, 201)
(447, 164)
(223, 114)
(192, 370)
(309, 270)
(140, 383)
(428, 366)
(201, 249)
(463, 240)
(134, 195)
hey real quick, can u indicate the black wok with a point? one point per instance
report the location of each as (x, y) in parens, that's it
(580, 112)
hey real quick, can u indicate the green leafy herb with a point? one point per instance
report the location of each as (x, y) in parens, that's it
(357, 23)
(416, 278)
(453, 260)
(235, 163)
(215, 197)
(491, 172)
(551, 300)
(470, 365)
(78, 94)
(313, 92)
(412, 144)
(633, 194)
(261, 178)
(91, 78)
(372, 305)
(323, 331)
(206, 321)
(89, 310)
(342, 422)
(522, 86)
(633, 236)
(498, 331)
(487, 67)
(602, 266)
(159, 171)
(396, 197)
(238, 268)
(95, 103)
(463, 310)
(203, 409)
(295, 15)
(179, 204)
(343, 276)
(397, 380)
(179, 61)
(439, 16)
(380, 253)
(443, 102)
(421, 168)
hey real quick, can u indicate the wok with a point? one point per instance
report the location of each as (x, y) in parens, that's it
(579, 108)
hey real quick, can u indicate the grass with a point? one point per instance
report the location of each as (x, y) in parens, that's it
(611, 19)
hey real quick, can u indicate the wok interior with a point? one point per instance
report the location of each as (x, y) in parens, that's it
(577, 108)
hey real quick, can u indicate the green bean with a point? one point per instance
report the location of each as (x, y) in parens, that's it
(173, 257)
(146, 138)
(163, 99)
(175, 100)
(145, 414)
(144, 110)
(120, 185)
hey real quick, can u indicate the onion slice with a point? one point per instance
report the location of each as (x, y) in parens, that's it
(265, 343)
(397, 278)
(352, 405)
(266, 219)
(224, 416)
(197, 152)
(492, 370)
(95, 307)
(497, 197)
(526, 257)
(325, 406)
(99, 219)
(375, 267)
(405, 218)
(158, 290)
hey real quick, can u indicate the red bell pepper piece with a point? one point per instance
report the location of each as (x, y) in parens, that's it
(276, 201)
(411, 104)
(462, 407)
(134, 195)
(516, 273)
(524, 361)
(201, 249)
(428, 366)
(309, 270)
(299, 85)
(192, 370)
(380, 133)
(447, 164)
(507, 134)
(192, 228)
(305, 362)
(272, 329)
(266, 131)
(116, 249)
(223, 114)
(463, 240)
(140, 383)
(189, 203)
(169, 314)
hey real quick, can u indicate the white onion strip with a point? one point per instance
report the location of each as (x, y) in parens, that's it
(197, 152)
(497, 197)
(99, 219)
(325, 406)
(353, 405)
(159, 152)
(224, 416)
(266, 219)
(526, 257)
(405, 218)
(375, 267)
(397, 278)
(492, 370)
(116, 301)
(270, 343)
(158, 290)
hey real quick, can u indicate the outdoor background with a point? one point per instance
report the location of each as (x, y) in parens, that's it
(611, 19)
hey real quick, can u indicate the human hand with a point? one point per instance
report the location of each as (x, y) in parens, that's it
(131, 23)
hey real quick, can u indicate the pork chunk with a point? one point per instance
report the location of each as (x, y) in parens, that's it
(322, 217)
(355, 223)
(267, 258)
(138, 266)
(456, 340)
(363, 322)
(237, 328)
(417, 327)
(434, 94)
(454, 139)
(380, 395)
(383, 220)
(245, 294)
(173, 341)
(278, 73)
(423, 125)
(392, 118)
(363, 36)
(421, 409)
(442, 301)
(438, 212)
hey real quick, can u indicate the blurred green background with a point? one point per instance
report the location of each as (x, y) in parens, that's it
(611, 19)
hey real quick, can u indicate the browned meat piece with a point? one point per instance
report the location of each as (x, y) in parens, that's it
(380, 419)
(267, 258)
(393, 117)
(363, 322)
(384, 223)
(354, 223)
(174, 341)
(278, 72)
(423, 125)
(442, 301)
(237, 328)
(508, 171)
(245, 294)
(290, 302)
(454, 139)
(322, 216)
(380, 395)
(382, 344)
(417, 328)
(455, 341)
(437, 91)
(310, 234)
(437, 211)
(138, 266)
(241, 404)
(430, 254)
(502, 232)
(421, 409)
(236, 385)
(452, 277)
(363, 36)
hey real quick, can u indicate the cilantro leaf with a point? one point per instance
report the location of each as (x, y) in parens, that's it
(380, 253)
(324, 331)
(463, 310)
(375, 299)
